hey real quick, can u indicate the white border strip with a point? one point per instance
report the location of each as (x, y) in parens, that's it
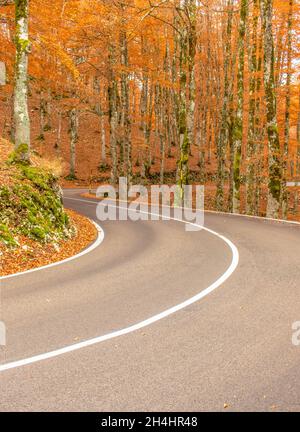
(97, 242)
(141, 324)
(261, 218)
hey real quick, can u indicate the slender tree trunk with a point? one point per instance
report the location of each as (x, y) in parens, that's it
(298, 140)
(148, 133)
(59, 128)
(274, 153)
(259, 129)
(183, 167)
(192, 43)
(162, 157)
(206, 112)
(125, 118)
(188, 43)
(12, 119)
(238, 121)
(284, 192)
(223, 134)
(103, 139)
(43, 112)
(100, 114)
(174, 92)
(143, 111)
(113, 114)
(298, 121)
(164, 107)
(21, 116)
(167, 100)
(73, 115)
(251, 142)
(200, 114)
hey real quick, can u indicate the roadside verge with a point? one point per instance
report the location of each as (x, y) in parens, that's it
(30, 258)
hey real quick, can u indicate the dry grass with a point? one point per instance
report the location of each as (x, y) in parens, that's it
(53, 165)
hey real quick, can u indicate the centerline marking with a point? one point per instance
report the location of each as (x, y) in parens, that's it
(96, 340)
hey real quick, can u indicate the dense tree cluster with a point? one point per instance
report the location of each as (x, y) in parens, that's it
(214, 79)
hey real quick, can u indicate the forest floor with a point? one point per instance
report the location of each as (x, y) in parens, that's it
(33, 231)
(91, 172)
(31, 254)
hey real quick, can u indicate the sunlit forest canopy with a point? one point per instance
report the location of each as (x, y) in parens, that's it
(161, 90)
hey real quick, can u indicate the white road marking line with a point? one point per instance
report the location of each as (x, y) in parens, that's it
(262, 218)
(97, 242)
(141, 324)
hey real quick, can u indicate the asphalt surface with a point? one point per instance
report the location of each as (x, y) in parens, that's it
(234, 347)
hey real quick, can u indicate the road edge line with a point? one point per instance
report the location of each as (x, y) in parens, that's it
(144, 323)
(94, 245)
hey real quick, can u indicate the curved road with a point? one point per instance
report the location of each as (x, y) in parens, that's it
(233, 347)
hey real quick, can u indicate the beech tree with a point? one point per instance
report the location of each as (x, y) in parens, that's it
(168, 91)
(187, 46)
(274, 155)
(238, 119)
(21, 115)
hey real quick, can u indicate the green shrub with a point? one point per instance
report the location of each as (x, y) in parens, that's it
(32, 206)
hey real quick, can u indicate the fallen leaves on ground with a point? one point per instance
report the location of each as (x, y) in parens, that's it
(31, 254)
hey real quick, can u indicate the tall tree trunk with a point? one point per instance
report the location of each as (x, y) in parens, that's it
(100, 114)
(200, 114)
(187, 99)
(222, 139)
(192, 43)
(238, 121)
(57, 145)
(164, 110)
(148, 133)
(125, 101)
(284, 192)
(274, 154)
(103, 139)
(251, 141)
(259, 128)
(73, 116)
(298, 140)
(183, 166)
(143, 111)
(113, 114)
(174, 92)
(298, 120)
(43, 113)
(21, 116)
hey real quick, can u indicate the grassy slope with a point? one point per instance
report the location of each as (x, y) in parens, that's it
(30, 202)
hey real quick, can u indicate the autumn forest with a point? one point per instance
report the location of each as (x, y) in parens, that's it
(160, 91)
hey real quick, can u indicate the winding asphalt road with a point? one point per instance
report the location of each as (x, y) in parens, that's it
(233, 347)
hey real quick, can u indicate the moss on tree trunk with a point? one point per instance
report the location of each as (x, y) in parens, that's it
(21, 116)
(274, 151)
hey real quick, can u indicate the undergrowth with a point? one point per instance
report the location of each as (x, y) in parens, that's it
(31, 205)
